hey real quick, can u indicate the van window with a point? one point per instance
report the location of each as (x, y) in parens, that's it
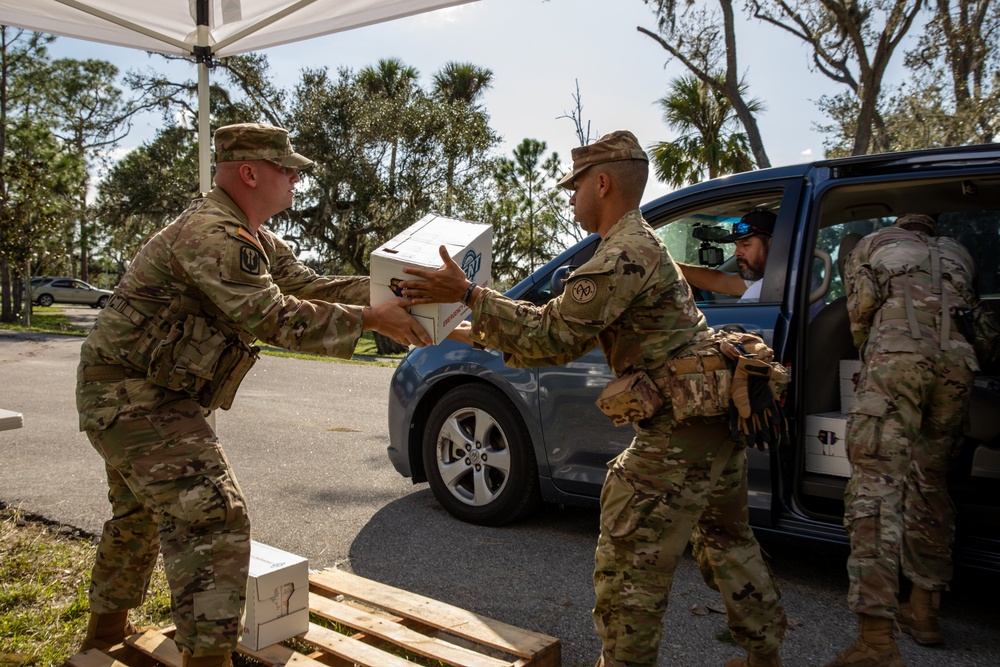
(966, 210)
(692, 237)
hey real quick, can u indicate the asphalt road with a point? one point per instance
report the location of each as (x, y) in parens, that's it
(307, 440)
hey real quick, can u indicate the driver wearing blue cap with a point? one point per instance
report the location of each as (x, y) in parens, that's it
(752, 236)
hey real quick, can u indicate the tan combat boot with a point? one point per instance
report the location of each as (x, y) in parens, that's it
(106, 630)
(919, 617)
(187, 660)
(756, 660)
(875, 646)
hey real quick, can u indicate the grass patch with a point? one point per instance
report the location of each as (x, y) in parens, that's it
(45, 575)
(48, 320)
(44, 609)
(365, 352)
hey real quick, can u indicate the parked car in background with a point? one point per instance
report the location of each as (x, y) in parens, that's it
(49, 290)
(494, 441)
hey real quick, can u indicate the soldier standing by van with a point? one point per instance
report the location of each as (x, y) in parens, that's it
(681, 473)
(903, 285)
(173, 343)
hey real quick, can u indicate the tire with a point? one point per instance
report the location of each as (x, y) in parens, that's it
(103, 301)
(45, 300)
(479, 458)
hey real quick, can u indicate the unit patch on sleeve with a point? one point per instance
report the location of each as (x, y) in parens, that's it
(250, 260)
(243, 263)
(584, 290)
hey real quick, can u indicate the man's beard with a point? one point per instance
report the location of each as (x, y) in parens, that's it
(748, 272)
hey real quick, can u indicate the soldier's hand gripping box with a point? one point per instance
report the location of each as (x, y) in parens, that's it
(470, 244)
(277, 597)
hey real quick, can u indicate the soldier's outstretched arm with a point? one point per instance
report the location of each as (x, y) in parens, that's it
(393, 320)
(462, 333)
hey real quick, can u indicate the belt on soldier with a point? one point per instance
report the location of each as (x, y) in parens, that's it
(109, 373)
(923, 317)
(700, 364)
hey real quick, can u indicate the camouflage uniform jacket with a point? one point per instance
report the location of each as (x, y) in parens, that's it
(251, 283)
(629, 297)
(903, 286)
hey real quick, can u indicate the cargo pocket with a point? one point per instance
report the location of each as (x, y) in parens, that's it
(97, 419)
(190, 484)
(217, 605)
(632, 510)
(864, 427)
(863, 524)
(217, 616)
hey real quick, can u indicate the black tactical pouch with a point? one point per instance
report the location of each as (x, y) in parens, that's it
(965, 321)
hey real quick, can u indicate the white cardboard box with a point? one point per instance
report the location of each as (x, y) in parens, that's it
(10, 420)
(849, 370)
(826, 442)
(986, 462)
(277, 597)
(468, 243)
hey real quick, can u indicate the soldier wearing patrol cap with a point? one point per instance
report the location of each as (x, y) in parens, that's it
(678, 475)
(904, 284)
(173, 344)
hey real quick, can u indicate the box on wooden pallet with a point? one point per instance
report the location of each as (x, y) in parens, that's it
(849, 370)
(826, 440)
(470, 244)
(277, 605)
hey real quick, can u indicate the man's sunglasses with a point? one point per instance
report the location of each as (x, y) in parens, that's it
(742, 228)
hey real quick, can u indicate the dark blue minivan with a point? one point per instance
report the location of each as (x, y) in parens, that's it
(494, 442)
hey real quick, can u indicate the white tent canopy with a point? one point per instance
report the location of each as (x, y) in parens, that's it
(205, 29)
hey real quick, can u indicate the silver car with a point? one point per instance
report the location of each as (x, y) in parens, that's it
(68, 290)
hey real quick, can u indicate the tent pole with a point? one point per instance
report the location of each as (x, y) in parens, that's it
(204, 129)
(203, 52)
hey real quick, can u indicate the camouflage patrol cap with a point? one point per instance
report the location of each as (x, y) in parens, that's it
(917, 219)
(253, 141)
(619, 145)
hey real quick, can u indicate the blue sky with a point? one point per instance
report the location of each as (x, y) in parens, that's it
(538, 52)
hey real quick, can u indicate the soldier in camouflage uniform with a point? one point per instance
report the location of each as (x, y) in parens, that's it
(173, 343)
(674, 478)
(905, 422)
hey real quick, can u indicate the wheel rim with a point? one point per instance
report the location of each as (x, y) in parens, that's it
(473, 456)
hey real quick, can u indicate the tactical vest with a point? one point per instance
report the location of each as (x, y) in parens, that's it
(184, 348)
(920, 279)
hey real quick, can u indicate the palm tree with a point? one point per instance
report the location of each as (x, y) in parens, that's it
(459, 84)
(462, 82)
(392, 81)
(710, 143)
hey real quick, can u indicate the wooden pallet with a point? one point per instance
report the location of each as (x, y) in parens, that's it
(389, 627)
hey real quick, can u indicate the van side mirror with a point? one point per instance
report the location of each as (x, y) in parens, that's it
(559, 277)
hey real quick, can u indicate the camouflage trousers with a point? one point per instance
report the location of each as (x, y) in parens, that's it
(171, 490)
(668, 485)
(905, 423)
